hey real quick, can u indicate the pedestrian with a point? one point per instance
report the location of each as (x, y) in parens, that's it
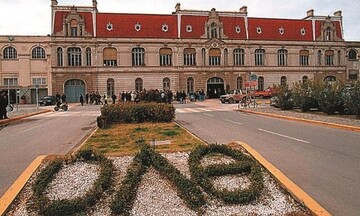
(3, 105)
(81, 100)
(105, 99)
(63, 98)
(113, 98)
(87, 97)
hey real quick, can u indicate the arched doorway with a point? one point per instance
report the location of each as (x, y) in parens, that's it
(215, 87)
(73, 89)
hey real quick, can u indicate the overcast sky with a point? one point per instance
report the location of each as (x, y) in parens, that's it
(32, 17)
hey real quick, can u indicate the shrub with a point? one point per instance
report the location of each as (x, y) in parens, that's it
(354, 101)
(138, 112)
(305, 95)
(283, 93)
(331, 98)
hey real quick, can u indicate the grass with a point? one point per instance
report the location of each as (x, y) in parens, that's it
(122, 139)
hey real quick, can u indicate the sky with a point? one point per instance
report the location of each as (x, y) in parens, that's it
(33, 17)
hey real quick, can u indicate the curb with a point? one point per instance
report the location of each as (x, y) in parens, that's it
(332, 125)
(296, 192)
(18, 118)
(10, 195)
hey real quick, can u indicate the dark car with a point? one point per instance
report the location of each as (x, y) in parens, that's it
(47, 100)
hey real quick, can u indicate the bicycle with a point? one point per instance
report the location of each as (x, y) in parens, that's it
(247, 102)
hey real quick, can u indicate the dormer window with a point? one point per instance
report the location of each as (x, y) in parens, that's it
(237, 29)
(74, 25)
(281, 30)
(189, 28)
(302, 31)
(165, 27)
(73, 28)
(109, 26)
(328, 34)
(258, 30)
(137, 27)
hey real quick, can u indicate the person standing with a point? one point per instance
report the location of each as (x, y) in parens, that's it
(63, 98)
(81, 100)
(113, 98)
(3, 104)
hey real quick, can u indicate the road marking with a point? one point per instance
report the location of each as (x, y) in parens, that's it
(208, 115)
(282, 135)
(239, 123)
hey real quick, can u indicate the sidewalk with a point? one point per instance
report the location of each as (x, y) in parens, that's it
(25, 110)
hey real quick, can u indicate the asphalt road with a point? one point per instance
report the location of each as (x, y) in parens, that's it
(49, 133)
(323, 161)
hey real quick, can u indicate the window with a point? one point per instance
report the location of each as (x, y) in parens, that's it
(282, 57)
(74, 56)
(73, 28)
(38, 81)
(138, 56)
(283, 81)
(239, 57)
(110, 57)
(38, 53)
(352, 55)
(88, 56)
(328, 34)
(213, 30)
(10, 53)
(110, 86)
(203, 56)
(239, 83)
(190, 85)
(339, 57)
(189, 56)
(59, 53)
(138, 84)
(304, 57)
(165, 56)
(305, 79)
(11, 81)
(214, 56)
(330, 79)
(261, 83)
(329, 57)
(166, 84)
(225, 56)
(259, 57)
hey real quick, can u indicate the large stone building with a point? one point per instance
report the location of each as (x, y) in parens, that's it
(186, 50)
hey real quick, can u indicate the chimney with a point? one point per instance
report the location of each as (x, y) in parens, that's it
(94, 2)
(177, 7)
(310, 13)
(338, 13)
(54, 2)
(243, 10)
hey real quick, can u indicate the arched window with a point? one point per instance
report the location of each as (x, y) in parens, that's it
(166, 84)
(328, 34)
(190, 85)
(165, 56)
(329, 57)
(304, 57)
(60, 58)
(282, 57)
(189, 56)
(225, 56)
(283, 81)
(74, 56)
(138, 84)
(239, 83)
(339, 57)
(239, 57)
(38, 53)
(138, 56)
(203, 56)
(352, 55)
(214, 56)
(88, 56)
(259, 57)
(110, 56)
(213, 30)
(305, 79)
(110, 86)
(261, 83)
(73, 28)
(319, 57)
(10, 53)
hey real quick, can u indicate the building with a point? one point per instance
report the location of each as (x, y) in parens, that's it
(186, 50)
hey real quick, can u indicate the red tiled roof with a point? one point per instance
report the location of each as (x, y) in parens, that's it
(197, 24)
(270, 29)
(60, 15)
(230, 24)
(124, 25)
(319, 23)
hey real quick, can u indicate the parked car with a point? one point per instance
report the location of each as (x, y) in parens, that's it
(267, 93)
(234, 96)
(47, 100)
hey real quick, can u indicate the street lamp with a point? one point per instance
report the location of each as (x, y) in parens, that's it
(37, 95)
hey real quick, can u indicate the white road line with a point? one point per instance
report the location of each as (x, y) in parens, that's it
(239, 123)
(208, 115)
(289, 137)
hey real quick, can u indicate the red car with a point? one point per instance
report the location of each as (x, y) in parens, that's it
(267, 93)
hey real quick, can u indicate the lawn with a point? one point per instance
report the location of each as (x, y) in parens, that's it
(122, 139)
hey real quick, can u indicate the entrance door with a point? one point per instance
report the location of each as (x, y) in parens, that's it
(215, 87)
(73, 89)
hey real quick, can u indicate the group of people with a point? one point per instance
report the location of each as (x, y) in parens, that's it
(3, 104)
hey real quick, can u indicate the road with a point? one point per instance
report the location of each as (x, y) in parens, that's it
(49, 133)
(323, 161)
